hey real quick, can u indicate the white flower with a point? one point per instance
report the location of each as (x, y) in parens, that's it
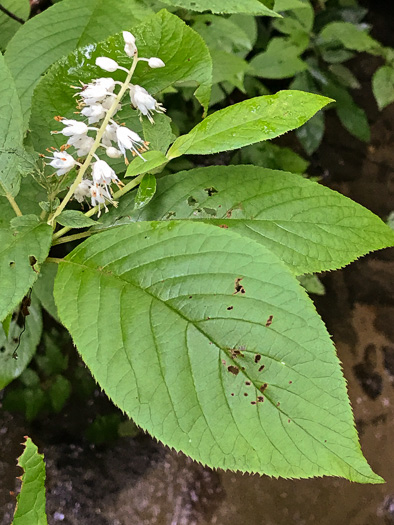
(62, 162)
(82, 143)
(97, 90)
(130, 48)
(109, 135)
(102, 173)
(113, 153)
(82, 190)
(107, 64)
(95, 113)
(74, 127)
(155, 62)
(129, 140)
(144, 102)
(98, 195)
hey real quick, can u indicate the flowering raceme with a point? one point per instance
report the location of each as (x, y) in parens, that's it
(98, 102)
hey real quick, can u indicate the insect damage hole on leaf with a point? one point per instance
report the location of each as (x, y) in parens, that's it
(269, 321)
(211, 191)
(238, 286)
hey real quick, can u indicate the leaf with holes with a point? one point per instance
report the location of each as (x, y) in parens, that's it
(31, 499)
(44, 39)
(27, 339)
(248, 122)
(22, 249)
(207, 341)
(310, 227)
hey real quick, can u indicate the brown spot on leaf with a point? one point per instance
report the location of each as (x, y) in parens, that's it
(269, 321)
(238, 286)
(246, 394)
(229, 213)
(263, 387)
(236, 353)
(260, 399)
(12, 264)
(230, 307)
(257, 358)
(233, 369)
(253, 402)
(261, 368)
(248, 383)
(223, 226)
(290, 382)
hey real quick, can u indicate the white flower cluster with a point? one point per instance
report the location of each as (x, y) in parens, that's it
(98, 102)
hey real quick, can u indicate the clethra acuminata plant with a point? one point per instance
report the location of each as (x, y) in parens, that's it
(97, 104)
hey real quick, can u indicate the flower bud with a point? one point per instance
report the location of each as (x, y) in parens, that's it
(128, 38)
(107, 64)
(113, 153)
(155, 62)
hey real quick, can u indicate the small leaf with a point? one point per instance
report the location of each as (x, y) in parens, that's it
(311, 133)
(248, 122)
(250, 7)
(159, 135)
(350, 36)
(74, 219)
(6, 324)
(312, 284)
(383, 86)
(352, 117)
(208, 342)
(153, 160)
(11, 368)
(280, 60)
(146, 191)
(59, 392)
(30, 506)
(21, 250)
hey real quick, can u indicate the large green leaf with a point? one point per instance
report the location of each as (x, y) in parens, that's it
(248, 122)
(12, 153)
(166, 36)
(310, 227)
(280, 60)
(350, 36)
(188, 328)
(59, 30)
(9, 26)
(251, 7)
(27, 339)
(22, 249)
(31, 499)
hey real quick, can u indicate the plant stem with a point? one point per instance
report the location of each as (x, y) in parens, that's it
(14, 205)
(11, 15)
(96, 143)
(74, 237)
(132, 184)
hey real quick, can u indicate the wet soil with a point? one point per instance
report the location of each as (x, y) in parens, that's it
(138, 481)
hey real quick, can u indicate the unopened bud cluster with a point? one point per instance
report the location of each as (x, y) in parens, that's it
(98, 101)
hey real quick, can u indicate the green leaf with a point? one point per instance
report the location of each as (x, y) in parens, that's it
(287, 5)
(146, 191)
(29, 196)
(195, 308)
(350, 36)
(6, 324)
(159, 135)
(248, 122)
(74, 219)
(43, 288)
(21, 251)
(312, 284)
(153, 160)
(345, 76)
(11, 368)
(250, 7)
(228, 67)
(12, 153)
(31, 499)
(224, 34)
(311, 134)
(352, 117)
(58, 31)
(383, 86)
(268, 155)
(9, 26)
(186, 57)
(59, 392)
(280, 60)
(310, 227)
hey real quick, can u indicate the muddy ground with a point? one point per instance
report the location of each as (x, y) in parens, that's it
(137, 481)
